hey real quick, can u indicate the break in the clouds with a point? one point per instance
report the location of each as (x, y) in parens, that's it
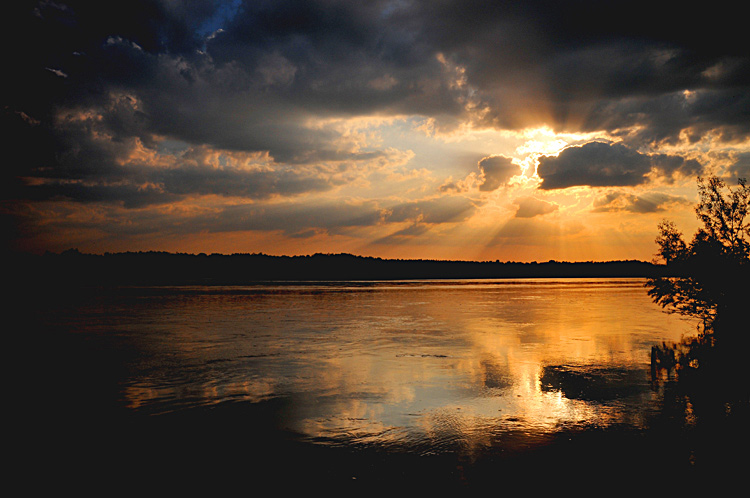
(276, 108)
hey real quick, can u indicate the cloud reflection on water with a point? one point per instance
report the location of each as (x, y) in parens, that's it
(432, 367)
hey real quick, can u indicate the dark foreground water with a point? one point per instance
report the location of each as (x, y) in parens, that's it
(422, 385)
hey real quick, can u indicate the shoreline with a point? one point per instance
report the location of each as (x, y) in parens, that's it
(153, 268)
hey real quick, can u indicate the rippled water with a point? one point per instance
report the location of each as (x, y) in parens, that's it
(427, 366)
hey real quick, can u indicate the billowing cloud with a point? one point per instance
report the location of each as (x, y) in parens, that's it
(496, 171)
(600, 164)
(668, 166)
(500, 65)
(595, 164)
(164, 107)
(135, 176)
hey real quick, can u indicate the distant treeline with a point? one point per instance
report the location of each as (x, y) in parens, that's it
(161, 268)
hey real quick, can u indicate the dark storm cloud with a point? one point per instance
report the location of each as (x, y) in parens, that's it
(599, 164)
(596, 164)
(250, 76)
(591, 65)
(89, 167)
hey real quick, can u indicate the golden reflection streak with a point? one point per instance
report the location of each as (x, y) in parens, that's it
(489, 384)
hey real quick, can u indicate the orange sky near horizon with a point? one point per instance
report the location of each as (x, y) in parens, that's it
(392, 129)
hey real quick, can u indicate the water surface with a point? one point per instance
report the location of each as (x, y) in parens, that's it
(433, 385)
(425, 367)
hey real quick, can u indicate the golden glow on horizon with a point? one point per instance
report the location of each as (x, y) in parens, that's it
(376, 172)
(262, 147)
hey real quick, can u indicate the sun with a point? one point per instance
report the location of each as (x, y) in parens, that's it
(544, 141)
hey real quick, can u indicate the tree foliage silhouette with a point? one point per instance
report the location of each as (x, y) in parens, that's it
(724, 217)
(710, 275)
(671, 245)
(708, 280)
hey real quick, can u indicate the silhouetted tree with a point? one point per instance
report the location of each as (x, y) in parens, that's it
(671, 245)
(723, 216)
(708, 277)
(709, 280)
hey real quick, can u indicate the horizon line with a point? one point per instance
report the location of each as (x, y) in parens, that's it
(76, 252)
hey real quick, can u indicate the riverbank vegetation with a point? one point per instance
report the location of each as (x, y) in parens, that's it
(161, 268)
(708, 280)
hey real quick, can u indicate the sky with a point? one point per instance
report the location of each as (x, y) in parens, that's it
(440, 129)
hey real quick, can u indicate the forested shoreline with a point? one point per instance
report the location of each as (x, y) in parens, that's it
(163, 268)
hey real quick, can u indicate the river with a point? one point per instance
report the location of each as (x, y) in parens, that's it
(429, 379)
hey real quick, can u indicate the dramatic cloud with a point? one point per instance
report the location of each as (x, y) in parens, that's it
(668, 166)
(141, 108)
(595, 164)
(408, 57)
(600, 164)
(496, 171)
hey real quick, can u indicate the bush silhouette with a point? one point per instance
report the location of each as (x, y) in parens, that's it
(707, 279)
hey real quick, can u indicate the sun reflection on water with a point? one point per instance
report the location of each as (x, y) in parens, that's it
(433, 367)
